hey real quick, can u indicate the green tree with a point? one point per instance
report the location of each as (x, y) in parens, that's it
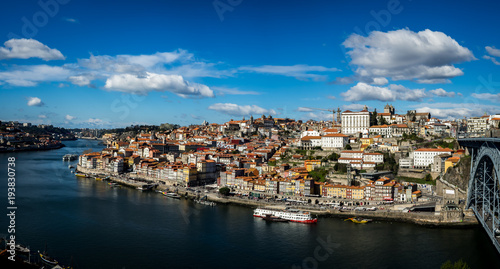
(373, 118)
(224, 191)
(457, 265)
(348, 147)
(272, 163)
(319, 174)
(428, 177)
(382, 121)
(340, 167)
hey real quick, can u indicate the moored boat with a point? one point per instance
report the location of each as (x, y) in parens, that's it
(172, 195)
(81, 175)
(270, 217)
(293, 215)
(47, 260)
(359, 220)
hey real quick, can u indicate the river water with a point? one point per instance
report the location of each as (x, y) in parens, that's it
(88, 224)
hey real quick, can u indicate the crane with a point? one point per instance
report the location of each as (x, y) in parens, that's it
(330, 110)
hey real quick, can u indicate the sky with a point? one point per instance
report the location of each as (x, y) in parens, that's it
(102, 64)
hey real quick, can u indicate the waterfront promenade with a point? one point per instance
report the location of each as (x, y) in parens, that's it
(386, 212)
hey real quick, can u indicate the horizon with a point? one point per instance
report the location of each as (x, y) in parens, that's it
(70, 64)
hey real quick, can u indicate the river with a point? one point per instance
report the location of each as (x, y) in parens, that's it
(88, 224)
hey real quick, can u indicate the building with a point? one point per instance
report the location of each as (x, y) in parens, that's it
(438, 165)
(355, 122)
(423, 157)
(333, 140)
(477, 126)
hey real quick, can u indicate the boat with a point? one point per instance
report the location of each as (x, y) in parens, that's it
(21, 248)
(71, 166)
(359, 220)
(145, 187)
(271, 218)
(70, 157)
(293, 215)
(172, 195)
(81, 175)
(47, 260)
(205, 202)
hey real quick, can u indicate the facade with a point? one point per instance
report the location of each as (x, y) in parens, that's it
(477, 126)
(423, 157)
(333, 140)
(355, 122)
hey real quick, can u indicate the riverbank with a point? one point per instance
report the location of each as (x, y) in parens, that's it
(435, 219)
(32, 148)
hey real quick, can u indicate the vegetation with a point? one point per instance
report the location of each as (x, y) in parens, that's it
(388, 164)
(301, 151)
(416, 180)
(412, 137)
(382, 121)
(317, 148)
(224, 191)
(332, 157)
(348, 147)
(428, 177)
(340, 167)
(373, 118)
(457, 265)
(272, 163)
(319, 174)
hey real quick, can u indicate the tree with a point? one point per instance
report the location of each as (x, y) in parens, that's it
(373, 118)
(428, 177)
(224, 191)
(383, 121)
(499, 125)
(457, 265)
(319, 174)
(348, 147)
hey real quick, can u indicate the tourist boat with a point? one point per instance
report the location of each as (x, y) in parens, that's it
(359, 220)
(70, 157)
(48, 260)
(81, 175)
(293, 215)
(271, 218)
(172, 195)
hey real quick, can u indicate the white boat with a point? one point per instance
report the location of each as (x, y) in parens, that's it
(293, 215)
(172, 195)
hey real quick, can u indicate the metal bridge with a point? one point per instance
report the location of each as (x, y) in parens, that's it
(483, 195)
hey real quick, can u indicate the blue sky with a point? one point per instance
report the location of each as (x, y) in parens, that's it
(77, 63)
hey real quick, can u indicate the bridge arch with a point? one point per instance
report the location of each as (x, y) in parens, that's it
(484, 188)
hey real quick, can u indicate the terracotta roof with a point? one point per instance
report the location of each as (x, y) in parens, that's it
(434, 150)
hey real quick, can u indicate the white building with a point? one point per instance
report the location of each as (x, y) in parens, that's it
(309, 132)
(477, 126)
(406, 163)
(331, 141)
(425, 156)
(355, 122)
(360, 159)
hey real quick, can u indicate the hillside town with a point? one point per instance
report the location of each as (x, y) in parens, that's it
(359, 155)
(16, 136)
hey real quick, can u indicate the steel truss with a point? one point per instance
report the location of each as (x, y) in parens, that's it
(483, 193)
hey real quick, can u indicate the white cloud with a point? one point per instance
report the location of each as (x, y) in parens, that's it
(28, 48)
(28, 76)
(95, 121)
(157, 82)
(304, 109)
(456, 110)
(493, 51)
(237, 110)
(442, 93)
(69, 117)
(318, 116)
(363, 91)
(233, 91)
(331, 97)
(487, 96)
(80, 80)
(35, 101)
(380, 81)
(353, 107)
(42, 116)
(426, 56)
(299, 71)
(70, 20)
